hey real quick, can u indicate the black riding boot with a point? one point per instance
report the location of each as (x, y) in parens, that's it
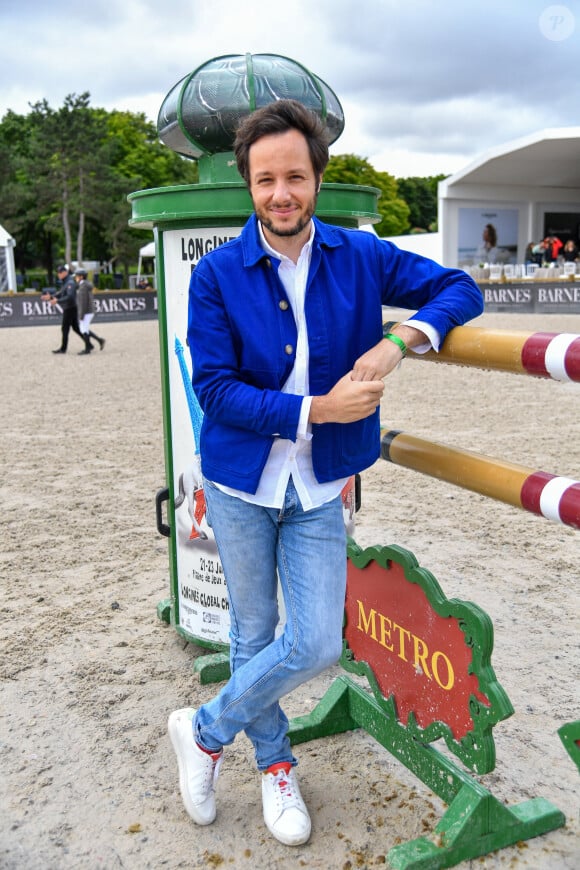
(88, 345)
(101, 341)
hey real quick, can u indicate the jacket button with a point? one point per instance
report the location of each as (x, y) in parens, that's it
(283, 304)
(289, 349)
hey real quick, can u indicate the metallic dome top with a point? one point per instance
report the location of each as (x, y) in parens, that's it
(200, 114)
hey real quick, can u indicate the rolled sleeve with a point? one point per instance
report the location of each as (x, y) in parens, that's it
(428, 330)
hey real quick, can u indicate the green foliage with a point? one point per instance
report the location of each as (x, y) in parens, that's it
(106, 282)
(420, 194)
(138, 154)
(350, 169)
(65, 175)
(64, 179)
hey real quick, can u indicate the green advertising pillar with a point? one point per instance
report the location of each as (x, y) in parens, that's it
(198, 119)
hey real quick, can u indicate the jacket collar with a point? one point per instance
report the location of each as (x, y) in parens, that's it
(253, 252)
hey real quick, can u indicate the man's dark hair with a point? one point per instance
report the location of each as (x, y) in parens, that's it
(279, 117)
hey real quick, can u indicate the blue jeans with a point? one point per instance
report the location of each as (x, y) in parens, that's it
(307, 550)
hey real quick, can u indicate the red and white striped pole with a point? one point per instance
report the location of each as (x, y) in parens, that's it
(548, 495)
(550, 355)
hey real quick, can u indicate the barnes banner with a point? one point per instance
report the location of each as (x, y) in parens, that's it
(28, 309)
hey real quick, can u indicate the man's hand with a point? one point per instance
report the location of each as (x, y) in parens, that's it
(381, 359)
(348, 401)
(377, 362)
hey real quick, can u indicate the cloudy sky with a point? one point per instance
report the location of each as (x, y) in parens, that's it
(426, 86)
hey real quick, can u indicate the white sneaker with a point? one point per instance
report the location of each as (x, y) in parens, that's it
(285, 812)
(198, 771)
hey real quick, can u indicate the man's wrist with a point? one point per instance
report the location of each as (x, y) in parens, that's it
(317, 410)
(396, 339)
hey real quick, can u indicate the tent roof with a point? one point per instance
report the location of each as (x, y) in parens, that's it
(548, 158)
(147, 250)
(5, 238)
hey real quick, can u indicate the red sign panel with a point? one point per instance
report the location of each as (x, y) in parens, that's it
(417, 656)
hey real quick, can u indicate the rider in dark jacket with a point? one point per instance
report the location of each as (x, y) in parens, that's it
(66, 296)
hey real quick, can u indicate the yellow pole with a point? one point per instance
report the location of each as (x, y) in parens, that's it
(499, 480)
(495, 349)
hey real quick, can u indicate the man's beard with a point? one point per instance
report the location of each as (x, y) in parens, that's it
(288, 231)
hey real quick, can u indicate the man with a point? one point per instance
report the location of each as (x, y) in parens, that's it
(86, 310)
(285, 331)
(66, 295)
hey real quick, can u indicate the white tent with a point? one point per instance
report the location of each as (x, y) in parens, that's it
(7, 270)
(534, 182)
(147, 250)
(426, 244)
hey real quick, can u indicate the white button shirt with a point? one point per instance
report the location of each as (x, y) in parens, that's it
(293, 458)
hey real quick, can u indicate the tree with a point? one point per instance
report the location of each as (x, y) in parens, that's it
(350, 169)
(65, 167)
(55, 170)
(140, 161)
(18, 202)
(420, 194)
(65, 175)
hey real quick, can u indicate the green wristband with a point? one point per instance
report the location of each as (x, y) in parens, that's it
(398, 341)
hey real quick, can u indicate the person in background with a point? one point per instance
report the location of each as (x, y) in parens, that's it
(86, 310)
(540, 252)
(529, 255)
(66, 297)
(570, 251)
(286, 337)
(552, 248)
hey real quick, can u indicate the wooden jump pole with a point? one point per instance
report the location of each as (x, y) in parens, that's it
(540, 354)
(548, 495)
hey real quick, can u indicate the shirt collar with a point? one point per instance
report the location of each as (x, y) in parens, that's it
(252, 250)
(274, 253)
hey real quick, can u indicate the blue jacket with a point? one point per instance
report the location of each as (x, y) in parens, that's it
(242, 337)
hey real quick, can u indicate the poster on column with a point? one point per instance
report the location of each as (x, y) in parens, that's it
(202, 598)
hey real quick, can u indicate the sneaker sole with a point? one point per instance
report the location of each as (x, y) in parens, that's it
(297, 840)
